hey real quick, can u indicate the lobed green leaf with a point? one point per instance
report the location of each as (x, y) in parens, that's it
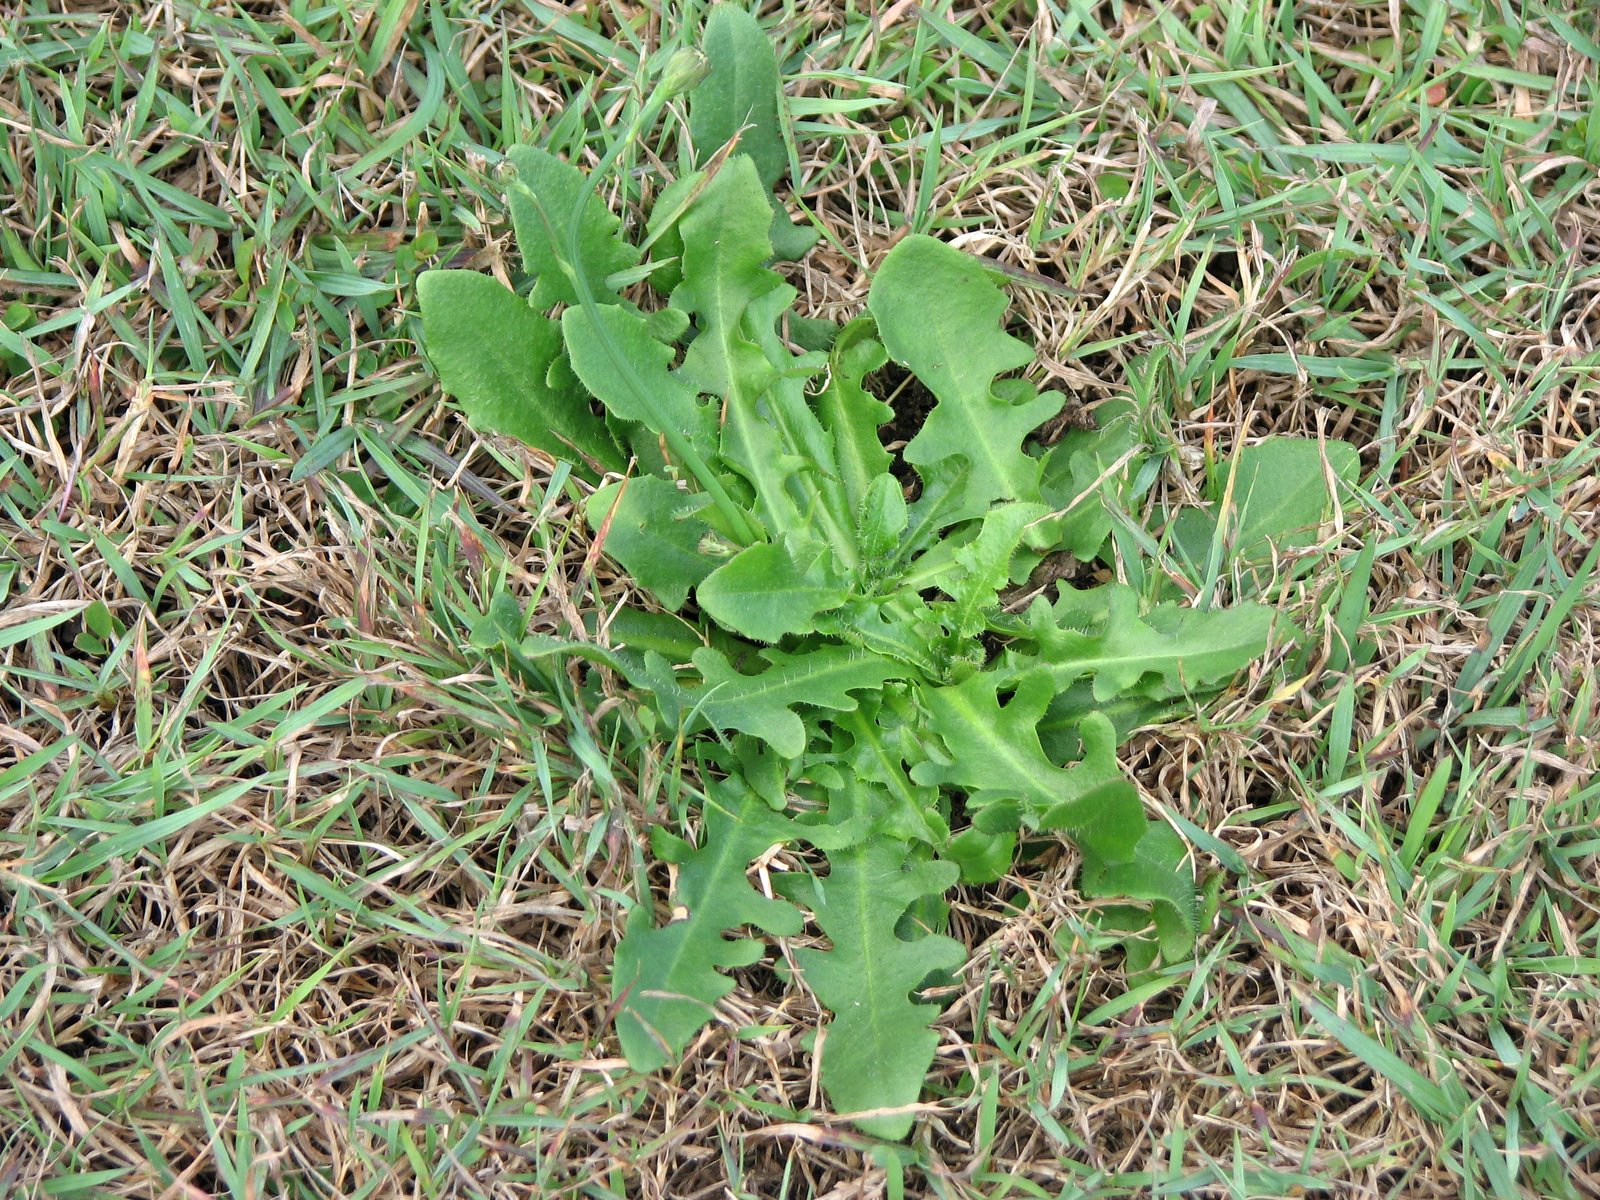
(1099, 633)
(879, 1045)
(762, 594)
(1083, 481)
(667, 979)
(1157, 871)
(620, 360)
(852, 416)
(764, 704)
(543, 199)
(992, 751)
(740, 103)
(495, 355)
(938, 313)
(738, 99)
(655, 530)
(884, 702)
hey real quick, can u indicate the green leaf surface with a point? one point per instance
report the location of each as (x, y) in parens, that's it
(1281, 489)
(1059, 730)
(985, 565)
(639, 630)
(654, 530)
(664, 237)
(852, 415)
(542, 201)
(879, 1045)
(938, 313)
(740, 102)
(613, 352)
(760, 593)
(1158, 871)
(790, 239)
(493, 353)
(770, 434)
(725, 249)
(1170, 651)
(763, 705)
(881, 517)
(1280, 497)
(668, 978)
(994, 753)
(1083, 481)
(885, 714)
(739, 97)
(903, 628)
(982, 857)
(880, 737)
(827, 518)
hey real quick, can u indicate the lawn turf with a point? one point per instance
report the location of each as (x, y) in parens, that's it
(302, 896)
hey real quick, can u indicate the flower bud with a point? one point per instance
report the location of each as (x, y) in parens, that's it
(684, 71)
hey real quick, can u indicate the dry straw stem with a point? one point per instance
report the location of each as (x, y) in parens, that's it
(299, 896)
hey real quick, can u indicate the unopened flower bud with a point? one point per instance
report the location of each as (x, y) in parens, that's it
(684, 71)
